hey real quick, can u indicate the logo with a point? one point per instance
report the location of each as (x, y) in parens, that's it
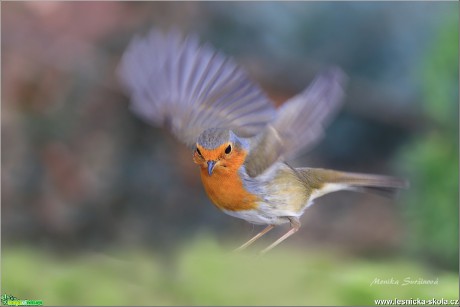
(10, 300)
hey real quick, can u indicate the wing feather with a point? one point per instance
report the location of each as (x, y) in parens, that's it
(299, 123)
(188, 88)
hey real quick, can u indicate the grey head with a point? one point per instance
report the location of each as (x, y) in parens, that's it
(214, 137)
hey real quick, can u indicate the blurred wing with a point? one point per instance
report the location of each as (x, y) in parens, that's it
(188, 88)
(299, 123)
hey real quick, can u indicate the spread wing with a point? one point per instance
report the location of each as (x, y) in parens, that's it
(299, 123)
(188, 88)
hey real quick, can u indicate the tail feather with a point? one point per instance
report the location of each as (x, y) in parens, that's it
(382, 191)
(326, 181)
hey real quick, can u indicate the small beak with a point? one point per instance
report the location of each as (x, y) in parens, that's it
(211, 165)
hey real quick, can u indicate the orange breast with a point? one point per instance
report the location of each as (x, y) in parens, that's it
(225, 188)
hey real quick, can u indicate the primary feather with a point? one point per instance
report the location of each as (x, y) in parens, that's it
(189, 88)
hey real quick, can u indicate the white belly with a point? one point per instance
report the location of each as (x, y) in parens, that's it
(264, 215)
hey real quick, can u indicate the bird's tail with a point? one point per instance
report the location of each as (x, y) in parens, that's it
(327, 181)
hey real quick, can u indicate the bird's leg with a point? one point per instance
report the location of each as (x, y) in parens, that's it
(253, 239)
(295, 225)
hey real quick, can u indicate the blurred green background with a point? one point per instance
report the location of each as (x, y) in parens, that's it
(99, 208)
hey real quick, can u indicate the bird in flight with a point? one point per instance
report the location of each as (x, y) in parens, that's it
(239, 140)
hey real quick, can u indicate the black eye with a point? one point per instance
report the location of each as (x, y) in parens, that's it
(228, 149)
(198, 151)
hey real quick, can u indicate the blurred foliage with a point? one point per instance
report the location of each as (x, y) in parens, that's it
(432, 158)
(207, 274)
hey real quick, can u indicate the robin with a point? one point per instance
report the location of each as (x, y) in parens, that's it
(239, 139)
